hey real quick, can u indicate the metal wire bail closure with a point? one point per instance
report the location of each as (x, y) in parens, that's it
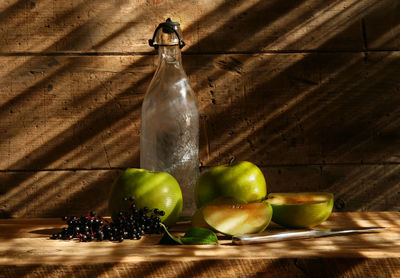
(167, 28)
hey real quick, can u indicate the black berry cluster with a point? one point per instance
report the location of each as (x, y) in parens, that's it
(130, 224)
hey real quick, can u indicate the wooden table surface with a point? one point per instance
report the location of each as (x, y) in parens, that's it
(25, 250)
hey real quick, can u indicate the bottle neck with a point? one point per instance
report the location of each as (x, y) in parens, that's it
(170, 55)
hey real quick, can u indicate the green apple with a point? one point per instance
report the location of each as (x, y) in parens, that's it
(238, 218)
(150, 189)
(243, 181)
(301, 210)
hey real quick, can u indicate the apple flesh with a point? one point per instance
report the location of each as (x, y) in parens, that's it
(243, 181)
(198, 217)
(236, 218)
(150, 189)
(300, 210)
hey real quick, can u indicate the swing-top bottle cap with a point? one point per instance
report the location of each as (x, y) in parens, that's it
(168, 26)
(171, 35)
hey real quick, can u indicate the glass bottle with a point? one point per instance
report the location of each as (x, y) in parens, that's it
(169, 139)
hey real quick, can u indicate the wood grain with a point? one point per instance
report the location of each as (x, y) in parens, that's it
(65, 108)
(24, 245)
(204, 268)
(381, 27)
(84, 112)
(55, 193)
(216, 269)
(125, 26)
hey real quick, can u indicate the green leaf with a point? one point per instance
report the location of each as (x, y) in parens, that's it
(192, 236)
(199, 236)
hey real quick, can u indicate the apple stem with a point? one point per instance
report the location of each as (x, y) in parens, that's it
(231, 161)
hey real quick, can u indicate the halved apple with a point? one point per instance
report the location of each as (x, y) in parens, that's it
(235, 218)
(300, 210)
(198, 217)
(198, 220)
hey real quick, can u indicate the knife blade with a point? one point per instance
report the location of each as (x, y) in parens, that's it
(273, 236)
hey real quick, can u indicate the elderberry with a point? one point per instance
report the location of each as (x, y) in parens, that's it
(130, 224)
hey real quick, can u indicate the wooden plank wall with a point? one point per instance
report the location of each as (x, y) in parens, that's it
(308, 90)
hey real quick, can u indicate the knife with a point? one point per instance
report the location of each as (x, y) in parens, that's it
(273, 236)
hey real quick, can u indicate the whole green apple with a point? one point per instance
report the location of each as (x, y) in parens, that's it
(150, 189)
(243, 181)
